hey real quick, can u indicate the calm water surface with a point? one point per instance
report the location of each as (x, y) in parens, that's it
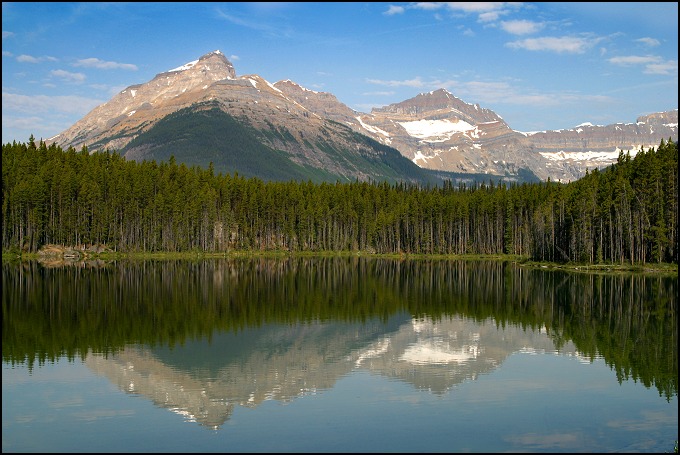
(336, 355)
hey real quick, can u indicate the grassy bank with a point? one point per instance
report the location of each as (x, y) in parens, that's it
(664, 268)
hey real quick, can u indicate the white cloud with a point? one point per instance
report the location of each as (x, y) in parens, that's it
(394, 10)
(487, 11)
(565, 44)
(634, 60)
(32, 123)
(6, 34)
(23, 58)
(41, 103)
(664, 68)
(491, 16)
(474, 7)
(651, 42)
(30, 59)
(653, 63)
(76, 78)
(416, 82)
(521, 27)
(428, 5)
(102, 65)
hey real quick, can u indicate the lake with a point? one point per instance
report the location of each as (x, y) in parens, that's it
(342, 354)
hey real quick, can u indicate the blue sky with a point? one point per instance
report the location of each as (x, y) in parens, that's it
(539, 66)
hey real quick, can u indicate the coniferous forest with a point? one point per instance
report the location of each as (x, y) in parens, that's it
(625, 213)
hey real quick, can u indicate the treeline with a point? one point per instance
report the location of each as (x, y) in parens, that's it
(626, 213)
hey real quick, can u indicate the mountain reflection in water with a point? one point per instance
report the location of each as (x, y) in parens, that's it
(200, 337)
(204, 380)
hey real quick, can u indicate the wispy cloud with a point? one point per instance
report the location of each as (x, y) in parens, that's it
(393, 9)
(416, 82)
(33, 124)
(23, 58)
(664, 68)
(102, 65)
(564, 44)
(261, 25)
(651, 42)
(67, 76)
(486, 11)
(653, 63)
(378, 93)
(7, 34)
(634, 60)
(542, 442)
(522, 27)
(499, 92)
(42, 104)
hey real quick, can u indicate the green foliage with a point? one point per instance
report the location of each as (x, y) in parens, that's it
(205, 134)
(626, 213)
(209, 135)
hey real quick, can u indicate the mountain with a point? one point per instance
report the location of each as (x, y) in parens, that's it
(439, 131)
(202, 112)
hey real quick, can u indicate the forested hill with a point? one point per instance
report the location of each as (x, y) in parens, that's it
(626, 213)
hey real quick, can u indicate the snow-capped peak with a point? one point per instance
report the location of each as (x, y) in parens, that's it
(186, 66)
(191, 64)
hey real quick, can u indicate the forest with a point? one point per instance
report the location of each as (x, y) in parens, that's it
(626, 213)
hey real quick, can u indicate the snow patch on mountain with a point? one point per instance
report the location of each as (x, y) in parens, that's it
(420, 157)
(590, 156)
(373, 129)
(436, 130)
(186, 66)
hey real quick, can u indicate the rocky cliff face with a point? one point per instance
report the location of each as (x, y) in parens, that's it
(570, 152)
(435, 130)
(438, 131)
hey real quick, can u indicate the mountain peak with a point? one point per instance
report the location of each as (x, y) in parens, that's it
(216, 52)
(214, 61)
(295, 85)
(439, 104)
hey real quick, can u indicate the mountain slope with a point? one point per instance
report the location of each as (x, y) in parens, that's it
(203, 133)
(283, 130)
(203, 136)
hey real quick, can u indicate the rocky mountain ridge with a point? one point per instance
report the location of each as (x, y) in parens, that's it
(434, 130)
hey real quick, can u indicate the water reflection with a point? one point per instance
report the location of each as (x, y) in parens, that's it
(203, 380)
(200, 337)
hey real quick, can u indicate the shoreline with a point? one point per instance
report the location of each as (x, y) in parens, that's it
(67, 258)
